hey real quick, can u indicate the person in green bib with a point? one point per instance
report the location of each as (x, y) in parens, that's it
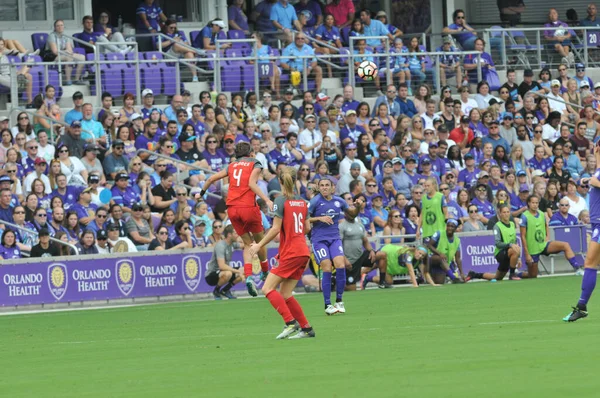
(445, 247)
(400, 260)
(535, 235)
(507, 251)
(433, 210)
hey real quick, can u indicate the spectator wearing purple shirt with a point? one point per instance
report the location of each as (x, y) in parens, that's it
(467, 177)
(559, 37)
(8, 245)
(262, 16)
(6, 211)
(351, 131)
(312, 10)
(349, 102)
(562, 216)
(122, 193)
(68, 194)
(236, 17)
(329, 33)
(539, 162)
(147, 141)
(85, 209)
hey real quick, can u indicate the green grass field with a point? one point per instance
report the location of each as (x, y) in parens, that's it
(476, 340)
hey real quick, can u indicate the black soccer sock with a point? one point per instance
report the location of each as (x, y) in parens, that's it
(226, 287)
(382, 278)
(512, 272)
(478, 275)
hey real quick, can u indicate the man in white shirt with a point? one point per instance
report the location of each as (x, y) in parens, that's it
(429, 114)
(555, 100)
(350, 158)
(310, 139)
(466, 103)
(343, 184)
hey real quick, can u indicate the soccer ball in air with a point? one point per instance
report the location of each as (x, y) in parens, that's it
(367, 70)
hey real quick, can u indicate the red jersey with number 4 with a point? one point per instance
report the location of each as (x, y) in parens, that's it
(293, 213)
(239, 172)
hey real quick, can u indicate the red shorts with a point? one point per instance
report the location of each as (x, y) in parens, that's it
(291, 268)
(245, 219)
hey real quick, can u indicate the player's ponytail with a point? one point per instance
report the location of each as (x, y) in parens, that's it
(287, 179)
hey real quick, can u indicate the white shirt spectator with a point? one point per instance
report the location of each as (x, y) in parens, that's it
(347, 162)
(308, 138)
(556, 103)
(263, 160)
(549, 133)
(29, 180)
(46, 152)
(466, 107)
(428, 120)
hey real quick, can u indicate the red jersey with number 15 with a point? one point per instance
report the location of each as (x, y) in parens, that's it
(293, 213)
(239, 172)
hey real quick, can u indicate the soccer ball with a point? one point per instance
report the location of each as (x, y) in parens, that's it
(367, 70)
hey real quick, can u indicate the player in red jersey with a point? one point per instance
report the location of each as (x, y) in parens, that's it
(243, 212)
(290, 221)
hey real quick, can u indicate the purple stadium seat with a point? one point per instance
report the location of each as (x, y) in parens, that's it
(128, 73)
(236, 34)
(152, 79)
(231, 77)
(194, 36)
(77, 44)
(38, 40)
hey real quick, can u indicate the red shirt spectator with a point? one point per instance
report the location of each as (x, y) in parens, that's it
(458, 134)
(342, 11)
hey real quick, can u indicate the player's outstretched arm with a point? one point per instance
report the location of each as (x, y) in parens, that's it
(212, 179)
(275, 229)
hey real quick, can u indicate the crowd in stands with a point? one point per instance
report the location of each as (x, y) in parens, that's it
(88, 185)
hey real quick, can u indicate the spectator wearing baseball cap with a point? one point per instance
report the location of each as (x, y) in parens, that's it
(528, 84)
(76, 112)
(351, 131)
(72, 139)
(116, 160)
(122, 193)
(40, 167)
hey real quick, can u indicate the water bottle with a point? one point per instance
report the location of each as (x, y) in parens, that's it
(120, 23)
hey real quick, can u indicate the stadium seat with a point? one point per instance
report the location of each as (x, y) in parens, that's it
(128, 73)
(236, 34)
(38, 40)
(231, 76)
(519, 45)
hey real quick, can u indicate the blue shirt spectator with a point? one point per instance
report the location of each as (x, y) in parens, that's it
(284, 14)
(153, 15)
(292, 51)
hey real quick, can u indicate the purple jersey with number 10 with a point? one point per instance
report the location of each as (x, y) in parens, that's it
(334, 208)
(326, 242)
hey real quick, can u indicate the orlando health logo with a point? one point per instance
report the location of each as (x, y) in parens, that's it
(191, 271)
(125, 275)
(57, 280)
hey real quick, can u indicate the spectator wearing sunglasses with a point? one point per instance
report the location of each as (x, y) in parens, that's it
(562, 216)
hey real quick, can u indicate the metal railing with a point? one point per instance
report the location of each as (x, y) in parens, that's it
(520, 45)
(35, 233)
(52, 121)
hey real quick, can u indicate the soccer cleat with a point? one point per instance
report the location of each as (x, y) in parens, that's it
(340, 307)
(263, 275)
(576, 314)
(385, 285)
(363, 282)
(470, 275)
(287, 330)
(217, 295)
(251, 287)
(303, 335)
(227, 293)
(579, 271)
(331, 310)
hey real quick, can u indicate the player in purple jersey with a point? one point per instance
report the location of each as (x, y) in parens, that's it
(326, 211)
(592, 259)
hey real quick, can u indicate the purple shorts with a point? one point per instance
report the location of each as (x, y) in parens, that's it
(327, 250)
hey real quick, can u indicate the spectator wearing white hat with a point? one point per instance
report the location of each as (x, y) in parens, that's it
(555, 99)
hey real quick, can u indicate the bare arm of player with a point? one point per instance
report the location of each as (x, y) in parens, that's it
(411, 273)
(255, 247)
(425, 272)
(212, 179)
(252, 183)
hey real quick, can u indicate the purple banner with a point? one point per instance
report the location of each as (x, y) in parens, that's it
(477, 254)
(112, 278)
